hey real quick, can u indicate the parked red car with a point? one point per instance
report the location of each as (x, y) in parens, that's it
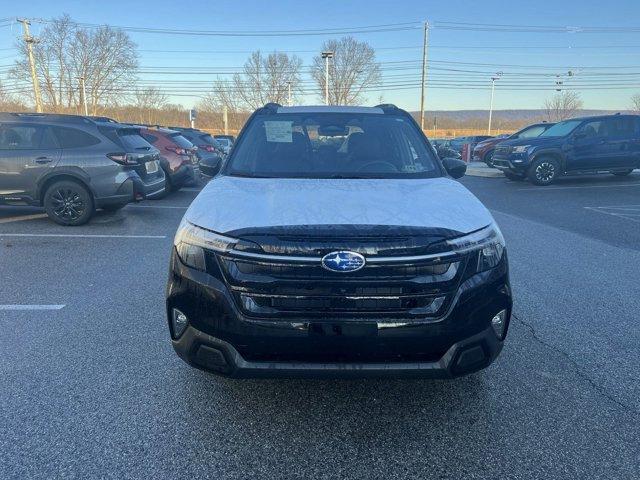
(178, 156)
(483, 151)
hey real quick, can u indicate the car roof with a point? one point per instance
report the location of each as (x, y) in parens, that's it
(57, 118)
(330, 109)
(597, 117)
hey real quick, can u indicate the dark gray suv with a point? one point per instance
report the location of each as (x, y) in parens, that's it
(71, 165)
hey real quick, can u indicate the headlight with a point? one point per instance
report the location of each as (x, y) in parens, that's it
(521, 149)
(488, 242)
(191, 242)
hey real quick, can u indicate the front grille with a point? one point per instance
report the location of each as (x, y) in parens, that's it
(284, 289)
(502, 150)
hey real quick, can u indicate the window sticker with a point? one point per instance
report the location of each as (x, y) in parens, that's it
(278, 131)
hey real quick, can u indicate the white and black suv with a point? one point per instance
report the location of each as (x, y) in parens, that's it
(334, 243)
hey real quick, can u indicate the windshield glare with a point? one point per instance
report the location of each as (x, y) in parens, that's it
(326, 145)
(561, 129)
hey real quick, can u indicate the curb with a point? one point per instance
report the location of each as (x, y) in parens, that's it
(484, 172)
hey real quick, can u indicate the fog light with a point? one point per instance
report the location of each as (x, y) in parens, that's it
(499, 323)
(179, 322)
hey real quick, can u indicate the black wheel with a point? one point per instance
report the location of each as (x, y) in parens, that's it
(488, 158)
(544, 171)
(513, 177)
(623, 173)
(68, 203)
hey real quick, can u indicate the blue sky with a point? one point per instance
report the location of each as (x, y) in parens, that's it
(597, 59)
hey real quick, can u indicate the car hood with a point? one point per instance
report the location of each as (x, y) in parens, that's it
(489, 142)
(229, 204)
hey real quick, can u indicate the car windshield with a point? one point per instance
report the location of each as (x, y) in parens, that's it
(179, 140)
(132, 139)
(561, 129)
(332, 145)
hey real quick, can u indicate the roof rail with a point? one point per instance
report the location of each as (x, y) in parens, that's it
(387, 107)
(60, 117)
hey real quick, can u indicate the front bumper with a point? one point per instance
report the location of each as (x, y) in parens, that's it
(516, 164)
(222, 340)
(212, 354)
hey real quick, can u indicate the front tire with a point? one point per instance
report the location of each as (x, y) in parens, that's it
(544, 171)
(68, 203)
(623, 173)
(488, 158)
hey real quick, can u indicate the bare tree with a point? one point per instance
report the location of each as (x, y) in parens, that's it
(263, 80)
(9, 102)
(562, 106)
(352, 70)
(149, 101)
(635, 102)
(105, 57)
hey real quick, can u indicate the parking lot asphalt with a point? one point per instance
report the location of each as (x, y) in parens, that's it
(90, 386)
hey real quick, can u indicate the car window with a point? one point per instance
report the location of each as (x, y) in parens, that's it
(561, 129)
(594, 128)
(149, 138)
(131, 139)
(531, 132)
(325, 145)
(74, 138)
(20, 137)
(179, 140)
(49, 139)
(621, 127)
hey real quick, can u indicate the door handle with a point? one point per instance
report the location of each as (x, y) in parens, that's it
(42, 160)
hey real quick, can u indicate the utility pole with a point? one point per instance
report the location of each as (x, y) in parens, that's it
(29, 41)
(425, 46)
(289, 93)
(326, 56)
(225, 120)
(83, 92)
(493, 85)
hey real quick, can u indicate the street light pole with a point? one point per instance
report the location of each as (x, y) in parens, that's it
(29, 41)
(289, 93)
(425, 45)
(493, 85)
(84, 95)
(326, 56)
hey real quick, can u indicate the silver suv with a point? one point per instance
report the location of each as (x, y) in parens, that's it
(72, 165)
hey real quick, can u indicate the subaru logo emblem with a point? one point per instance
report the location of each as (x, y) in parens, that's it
(343, 261)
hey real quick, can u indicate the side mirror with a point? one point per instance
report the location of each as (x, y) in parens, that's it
(210, 166)
(579, 135)
(454, 167)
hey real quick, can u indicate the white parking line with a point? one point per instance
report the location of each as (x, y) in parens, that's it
(156, 206)
(627, 212)
(31, 307)
(23, 217)
(64, 235)
(546, 189)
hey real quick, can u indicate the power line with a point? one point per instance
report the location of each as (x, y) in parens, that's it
(390, 27)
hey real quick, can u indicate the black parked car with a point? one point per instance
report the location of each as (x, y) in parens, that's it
(609, 143)
(72, 165)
